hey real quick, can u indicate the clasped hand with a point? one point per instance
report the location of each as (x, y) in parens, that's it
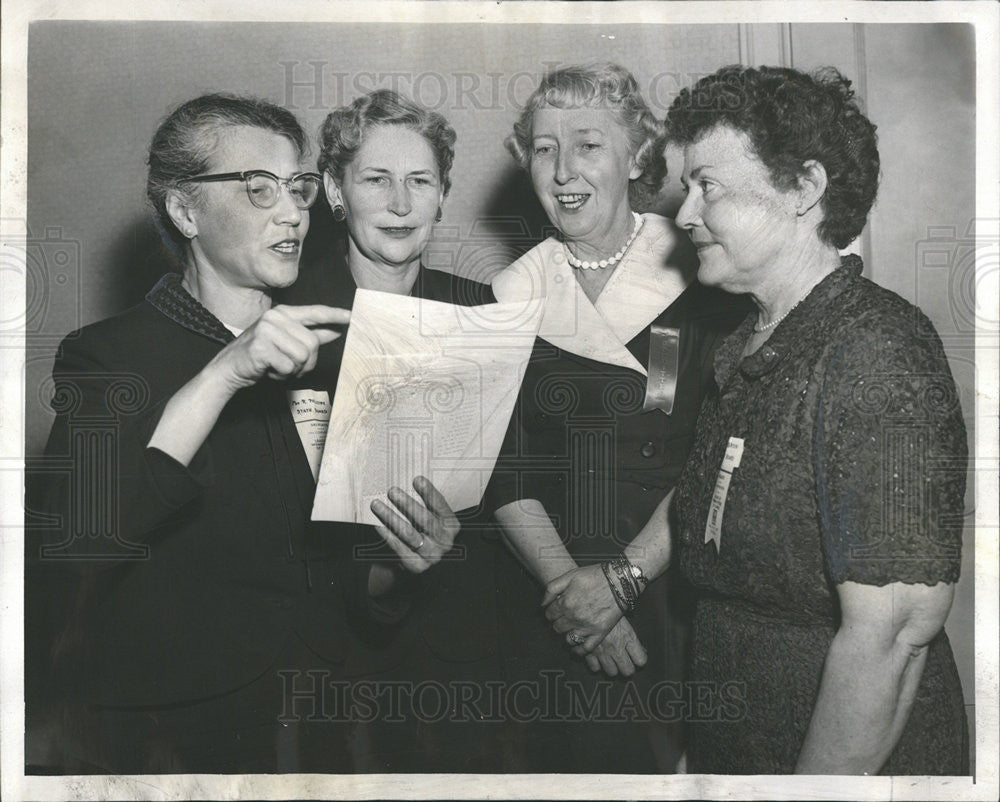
(580, 605)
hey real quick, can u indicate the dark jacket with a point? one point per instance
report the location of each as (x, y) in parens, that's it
(153, 583)
(443, 628)
(168, 583)
(447, 612)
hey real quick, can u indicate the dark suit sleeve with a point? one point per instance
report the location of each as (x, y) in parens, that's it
(104, 491)
(344, 553)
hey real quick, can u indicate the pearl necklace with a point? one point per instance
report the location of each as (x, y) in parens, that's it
(776, 321)
(611, 261)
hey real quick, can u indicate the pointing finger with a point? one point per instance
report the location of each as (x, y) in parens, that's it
(317, 315)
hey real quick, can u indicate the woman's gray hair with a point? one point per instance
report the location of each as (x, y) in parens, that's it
(186, 140)
(344, 130)
(608, 86)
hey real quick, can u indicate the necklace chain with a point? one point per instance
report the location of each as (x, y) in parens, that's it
(580, 264)
(776, 321)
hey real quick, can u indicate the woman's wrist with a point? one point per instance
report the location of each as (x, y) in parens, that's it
(216, 382)
(189, 416)
(550, 568)
(390, 580)
(650, 551)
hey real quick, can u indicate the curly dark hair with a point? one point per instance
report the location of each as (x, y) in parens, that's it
(344, 129)
(601, 85)
(791, 117)
(187, 139)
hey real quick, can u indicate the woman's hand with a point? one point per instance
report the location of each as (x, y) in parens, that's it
(620, 652)
(281, 343)
(580, 604)
(424, 533)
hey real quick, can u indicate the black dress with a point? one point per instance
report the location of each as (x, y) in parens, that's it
(581, 443)
(852, 469)
(163, 600)
(415, 677)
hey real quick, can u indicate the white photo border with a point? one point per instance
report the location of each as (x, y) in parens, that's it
(984, 16)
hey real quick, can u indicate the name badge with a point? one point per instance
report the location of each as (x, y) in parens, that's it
(311, 413)
(730, 462)
(664, 365)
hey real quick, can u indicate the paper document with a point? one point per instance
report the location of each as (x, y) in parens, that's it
(425, 388)
(311, 413)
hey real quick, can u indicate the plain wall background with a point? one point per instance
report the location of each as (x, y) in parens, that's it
(96, 92)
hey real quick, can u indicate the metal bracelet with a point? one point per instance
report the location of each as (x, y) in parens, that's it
(619, 598)
(638, 577)
(625, 579)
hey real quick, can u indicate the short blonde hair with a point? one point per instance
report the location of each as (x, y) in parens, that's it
(344, 130)
(607, 86)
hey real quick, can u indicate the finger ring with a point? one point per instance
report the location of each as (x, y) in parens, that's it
(420, 545)
(576, 638)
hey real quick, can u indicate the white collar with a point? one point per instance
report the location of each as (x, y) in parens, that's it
(644, 283)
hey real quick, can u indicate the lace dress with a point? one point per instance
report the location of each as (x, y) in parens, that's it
(852, 469)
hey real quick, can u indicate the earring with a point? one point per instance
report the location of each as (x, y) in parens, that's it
(339, 213)
(437, 217)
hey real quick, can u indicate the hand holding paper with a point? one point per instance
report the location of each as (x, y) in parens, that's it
(426, 533)
(425, 389)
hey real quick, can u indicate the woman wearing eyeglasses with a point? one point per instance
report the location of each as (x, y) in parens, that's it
(198, 614)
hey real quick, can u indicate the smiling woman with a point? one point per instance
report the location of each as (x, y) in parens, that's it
(580, 169)
(391, 193)
(824, 561)
(602, 426)
(386, 166)
(164, 629)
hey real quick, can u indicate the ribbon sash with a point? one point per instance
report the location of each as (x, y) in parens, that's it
(664, 365)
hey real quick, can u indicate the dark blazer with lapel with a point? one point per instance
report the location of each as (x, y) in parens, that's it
(169, 583)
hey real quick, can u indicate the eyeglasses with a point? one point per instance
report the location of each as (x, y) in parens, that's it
(263, 187)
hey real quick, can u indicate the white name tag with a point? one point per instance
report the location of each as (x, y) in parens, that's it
(311, 413)
(730, 462)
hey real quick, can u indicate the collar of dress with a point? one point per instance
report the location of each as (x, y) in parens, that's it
(176, 303)
(791, 334)
(643, 284)
(170, 298)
